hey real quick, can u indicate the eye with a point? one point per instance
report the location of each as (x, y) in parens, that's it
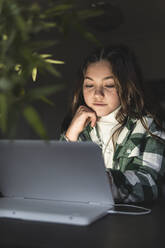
(109, 85)
(88, 85)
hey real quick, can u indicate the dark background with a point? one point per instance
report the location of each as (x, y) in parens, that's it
(138, 24)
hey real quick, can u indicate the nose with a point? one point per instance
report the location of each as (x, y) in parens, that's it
(99, 92)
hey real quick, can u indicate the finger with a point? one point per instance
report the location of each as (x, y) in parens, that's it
(87, 122)
(93, 122)
(85, 109)
(93, 118)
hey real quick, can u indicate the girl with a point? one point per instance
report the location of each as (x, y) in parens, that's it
(109, 108)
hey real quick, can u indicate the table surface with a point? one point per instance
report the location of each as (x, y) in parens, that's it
(112, 231)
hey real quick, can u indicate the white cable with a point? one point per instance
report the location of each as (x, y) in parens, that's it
(145, 210)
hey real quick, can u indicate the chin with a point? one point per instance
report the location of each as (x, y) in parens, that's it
(101, 114)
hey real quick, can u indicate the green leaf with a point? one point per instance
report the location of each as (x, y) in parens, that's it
(47, 25)
(18, 68)
(37, 45)
(85, 14)
(33, 118)
(44, 56)
(19, 21)
(88, 35)
(1, 5)
(46, 100)
(59, 8)
(51, 69)
(53, 61)
(4, 37)
(92, 38)
(35, 8)
(2, 66)
(3, 112)
(7, 43)
(44, 91)
(34, 74)
(5, 84)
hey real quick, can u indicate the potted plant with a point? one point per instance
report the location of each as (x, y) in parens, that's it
(22, 56)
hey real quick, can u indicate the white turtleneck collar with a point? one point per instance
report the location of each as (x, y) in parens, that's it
(110, 118)
(106, 126)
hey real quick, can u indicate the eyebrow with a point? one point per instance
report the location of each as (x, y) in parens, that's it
(105, 78)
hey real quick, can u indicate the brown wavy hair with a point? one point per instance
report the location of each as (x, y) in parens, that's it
(128, 81)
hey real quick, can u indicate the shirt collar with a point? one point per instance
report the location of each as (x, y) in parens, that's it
(110, 118)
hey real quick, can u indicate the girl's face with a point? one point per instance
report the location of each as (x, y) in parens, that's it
(99, 88)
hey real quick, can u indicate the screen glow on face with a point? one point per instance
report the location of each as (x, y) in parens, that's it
(99, 88)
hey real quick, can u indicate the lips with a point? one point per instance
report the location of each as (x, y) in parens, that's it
(99, 104)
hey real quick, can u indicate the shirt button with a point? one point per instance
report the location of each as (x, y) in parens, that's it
(128, 150)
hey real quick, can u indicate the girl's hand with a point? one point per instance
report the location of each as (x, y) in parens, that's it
(81, 119)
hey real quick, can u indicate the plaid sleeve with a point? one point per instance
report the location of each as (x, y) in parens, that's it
(137, 178)
(62, 137)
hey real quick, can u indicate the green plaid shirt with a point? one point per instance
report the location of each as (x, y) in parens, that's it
(138, 161)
